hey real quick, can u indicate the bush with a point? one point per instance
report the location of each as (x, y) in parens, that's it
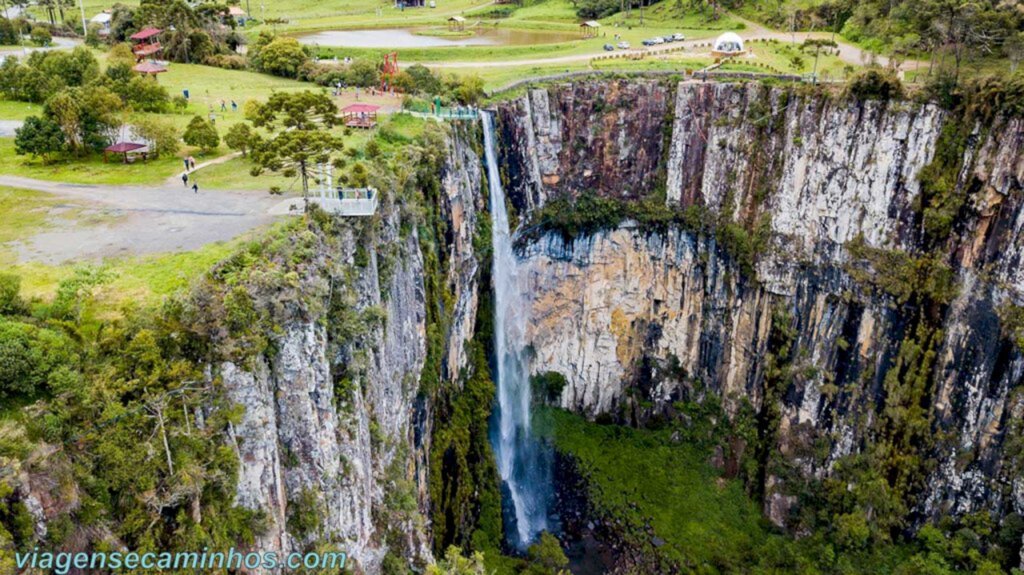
(202, 134)
(239, 138)
(8, 33)
(362, 73)
(282, 57)
(227, 61)
(875, 84)
(547, 387)
(10, 288)
(41, 36)
(29, 356)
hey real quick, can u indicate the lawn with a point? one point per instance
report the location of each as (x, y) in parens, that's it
(17, 110)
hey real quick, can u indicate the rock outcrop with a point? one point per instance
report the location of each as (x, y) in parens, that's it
(331, 425)
(823, 174)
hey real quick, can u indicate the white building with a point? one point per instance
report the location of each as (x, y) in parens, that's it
(729, 44)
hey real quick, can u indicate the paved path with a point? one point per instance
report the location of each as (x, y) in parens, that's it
(176, 178)
(141, 220)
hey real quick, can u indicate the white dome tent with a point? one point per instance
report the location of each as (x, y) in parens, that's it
(729, 44)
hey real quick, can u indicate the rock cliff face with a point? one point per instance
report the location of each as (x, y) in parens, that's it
(637, 319)
(332, 424)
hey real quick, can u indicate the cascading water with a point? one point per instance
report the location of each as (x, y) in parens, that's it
(524, 464)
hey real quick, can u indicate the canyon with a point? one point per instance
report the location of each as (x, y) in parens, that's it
(847, 275)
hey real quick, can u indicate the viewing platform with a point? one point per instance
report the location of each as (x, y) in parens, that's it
(348, 202)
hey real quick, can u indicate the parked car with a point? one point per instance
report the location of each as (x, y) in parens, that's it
(668, 39)
(623, 45)
(657, 40)
(678, 37)
(609, 48)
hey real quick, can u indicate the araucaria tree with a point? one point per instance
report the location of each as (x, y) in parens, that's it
(300, 138)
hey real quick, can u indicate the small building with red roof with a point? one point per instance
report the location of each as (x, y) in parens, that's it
(360, 115)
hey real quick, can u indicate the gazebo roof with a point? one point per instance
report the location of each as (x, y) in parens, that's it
(456, 19)
(360, 108)
(124, 147)
(146, 33)
(150, 68)
(147, 49)
(591, 24)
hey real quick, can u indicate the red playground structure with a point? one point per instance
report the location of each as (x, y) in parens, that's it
(388, 71)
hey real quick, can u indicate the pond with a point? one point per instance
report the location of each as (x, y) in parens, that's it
(422, 38)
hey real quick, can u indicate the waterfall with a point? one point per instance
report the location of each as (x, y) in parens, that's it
(524, 464)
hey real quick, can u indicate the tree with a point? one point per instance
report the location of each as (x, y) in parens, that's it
(295, 153)
(282, 57)
(469, 89)
(1014, 48)
(8, 33)
(239, 137)
(424, 80)
(41, 36)
(202, 134)
(301, 141)
(161, 135)
(145, 95)
(546, 556)
(121, 54)
(455, 564)
(362, 72)
(298, 111)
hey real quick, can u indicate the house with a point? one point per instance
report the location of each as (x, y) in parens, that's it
(102, 22)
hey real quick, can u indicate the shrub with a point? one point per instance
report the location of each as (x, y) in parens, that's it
(202, 134)
(10, 288)
(239, 138)
(41, 36)
(875, 84)
(282, 57)
(227, 61)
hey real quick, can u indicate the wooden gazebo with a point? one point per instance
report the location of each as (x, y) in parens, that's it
(590, 28)
(149, 68)
(360, 115)
(456, 23)
(126, 149)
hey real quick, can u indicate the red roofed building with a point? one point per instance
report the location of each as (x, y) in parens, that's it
(360, 115)
(146, 43)
(126, 148)
(146, 34)
(150, 68)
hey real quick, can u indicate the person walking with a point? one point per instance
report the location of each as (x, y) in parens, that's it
(192, 162)
(195, 187)
(186, 163)
(223, 106)
(234, 106)
(184, 179)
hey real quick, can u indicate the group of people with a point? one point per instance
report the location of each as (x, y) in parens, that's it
(190, 166)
